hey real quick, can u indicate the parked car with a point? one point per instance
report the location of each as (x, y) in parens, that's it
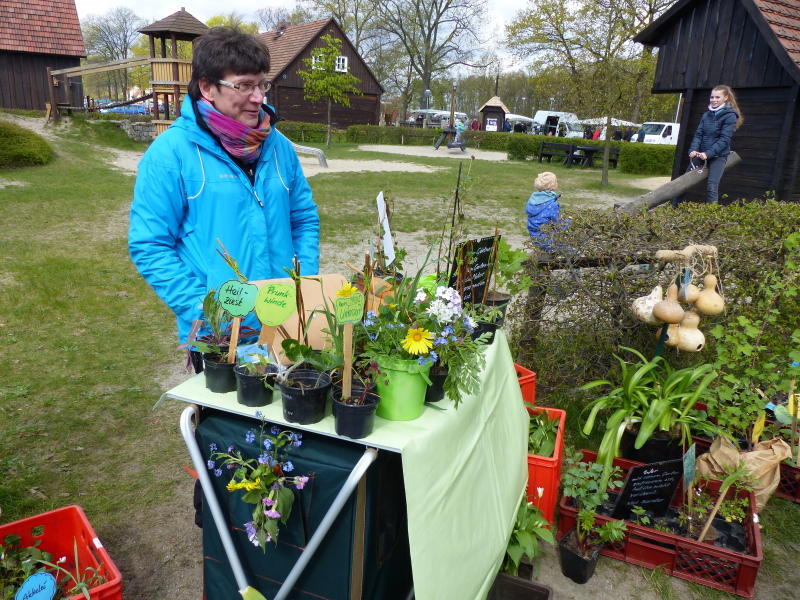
(657, 132)
(562, 124)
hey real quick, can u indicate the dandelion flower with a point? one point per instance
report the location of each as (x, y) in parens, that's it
(347, 290)
(418, 341)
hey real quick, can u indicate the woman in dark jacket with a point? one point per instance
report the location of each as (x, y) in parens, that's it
(712, 140)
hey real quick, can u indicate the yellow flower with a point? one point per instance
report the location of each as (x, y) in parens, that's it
(346, 290)
(252, 485)
(418, 341)
(235, 485)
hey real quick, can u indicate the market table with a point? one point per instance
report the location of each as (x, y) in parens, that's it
(464, 472)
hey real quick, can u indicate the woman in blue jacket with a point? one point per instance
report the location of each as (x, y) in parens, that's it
(222, 172)
(712, 140)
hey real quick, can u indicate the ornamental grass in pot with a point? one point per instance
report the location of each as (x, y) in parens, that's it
(304, 391)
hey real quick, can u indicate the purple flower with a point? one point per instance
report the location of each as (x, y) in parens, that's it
(300, 482)
(272, 514)
(212, 446)
(230, 449)
(251, 532)
(250, 436)
(275, 430)
(268, 444)
(217, 472)
(288, 466)
(259, 414)
(268, 502)
(296, 437)
(211, 464)
(264, 458)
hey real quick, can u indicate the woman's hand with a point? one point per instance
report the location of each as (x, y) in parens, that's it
(693, 153)
(702, 156)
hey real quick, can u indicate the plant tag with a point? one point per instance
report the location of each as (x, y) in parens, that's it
(238, 298)
(350, 309)
(275, 303)
(689, 466)
(758, 427)
(650, 486)
(39, 586)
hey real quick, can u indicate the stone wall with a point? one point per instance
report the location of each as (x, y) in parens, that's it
(138, 130)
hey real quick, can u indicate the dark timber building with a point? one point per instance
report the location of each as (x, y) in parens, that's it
(753, 46)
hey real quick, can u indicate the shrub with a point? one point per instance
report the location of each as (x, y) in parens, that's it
(20, 147)
(301, 133)
(376, 134)
(487, 140)
(583, 308)
(647, 159)
(522, 147)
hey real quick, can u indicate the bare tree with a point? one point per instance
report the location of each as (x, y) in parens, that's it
(110, 37)
(269, 18)
(360, 20)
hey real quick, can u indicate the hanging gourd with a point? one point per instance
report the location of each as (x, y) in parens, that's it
(669, 310)
(709, 302)
(643, 307)
(673, 335)
(689, 293)
(690, 338)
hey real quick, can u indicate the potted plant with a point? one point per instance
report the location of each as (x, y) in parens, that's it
(530, 530)
(545, 454)
(651, 405)
(263, 481)
(304, 391)
(214, 346)
(509, 275)
(255, 380)
(579, 548)
(413, 330)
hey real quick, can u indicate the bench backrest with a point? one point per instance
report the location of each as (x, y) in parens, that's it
(556, 146)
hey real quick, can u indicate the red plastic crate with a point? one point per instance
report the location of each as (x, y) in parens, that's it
(59, 530)
(544, 472)
(527, 383)
(703, 563)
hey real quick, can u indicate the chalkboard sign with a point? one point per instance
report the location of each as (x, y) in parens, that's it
(472, 267)
(649, 486)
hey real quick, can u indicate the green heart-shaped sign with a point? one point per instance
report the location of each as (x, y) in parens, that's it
(350, 308)
(238, 298)
(275, 303)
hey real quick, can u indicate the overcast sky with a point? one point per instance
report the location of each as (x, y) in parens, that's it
(153, 10)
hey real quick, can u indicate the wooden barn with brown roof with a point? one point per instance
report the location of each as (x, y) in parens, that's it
(288, 46)
(35, 35)
(753, 46)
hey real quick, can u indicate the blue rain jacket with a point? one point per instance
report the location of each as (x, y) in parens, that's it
(189, 193)
(542, 207)
(714, 133)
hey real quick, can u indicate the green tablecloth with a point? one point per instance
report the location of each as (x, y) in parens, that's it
(464, 472)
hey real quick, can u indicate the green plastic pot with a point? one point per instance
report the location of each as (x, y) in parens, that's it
(402, 388)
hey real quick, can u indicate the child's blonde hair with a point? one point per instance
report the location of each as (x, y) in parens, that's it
(546, 181)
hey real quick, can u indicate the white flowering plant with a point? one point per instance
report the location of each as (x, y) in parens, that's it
(427, 324)
(264, 480)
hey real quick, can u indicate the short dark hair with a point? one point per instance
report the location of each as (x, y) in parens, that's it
(223, 50)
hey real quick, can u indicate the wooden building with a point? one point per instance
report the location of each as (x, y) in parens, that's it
(753, 46)
(35, 35)
(494, 114)
(288, 46)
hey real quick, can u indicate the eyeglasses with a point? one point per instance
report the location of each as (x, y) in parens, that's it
(246, 88)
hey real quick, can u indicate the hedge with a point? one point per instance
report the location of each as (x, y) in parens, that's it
(20, 147)
(300, 132)
(407, 136)
(647, 159)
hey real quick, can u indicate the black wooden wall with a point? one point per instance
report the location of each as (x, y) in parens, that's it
(289, 101)
(23, 80)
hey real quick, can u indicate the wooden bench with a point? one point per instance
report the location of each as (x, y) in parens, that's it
(550, 149)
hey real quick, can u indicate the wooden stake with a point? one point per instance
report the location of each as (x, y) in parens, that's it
(347, 375)
(234, 339)
(793, 403)
(722, 493)
(267, 335)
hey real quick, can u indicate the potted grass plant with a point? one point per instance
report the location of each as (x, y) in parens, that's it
(214, 346)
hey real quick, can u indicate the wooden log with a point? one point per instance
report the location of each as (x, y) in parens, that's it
(672, 189)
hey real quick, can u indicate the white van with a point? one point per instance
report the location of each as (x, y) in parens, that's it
(657, 132)
(562, 124)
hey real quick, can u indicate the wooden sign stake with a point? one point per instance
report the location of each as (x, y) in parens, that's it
(267, 335)
(347, 375)
(234, 339)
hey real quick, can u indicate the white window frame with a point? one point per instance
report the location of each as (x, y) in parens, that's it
(314, 61)
(341, 64)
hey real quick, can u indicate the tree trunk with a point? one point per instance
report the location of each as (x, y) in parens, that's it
(606, 152)
(328, 137)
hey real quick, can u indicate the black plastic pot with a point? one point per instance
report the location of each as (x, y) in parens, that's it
(499, 300)
(304, 402)
(656, 449)
(435, 391)
(573, 565)
(508, 587)
(484, 327)
(250, 389)
(355, 420)
(219, 375)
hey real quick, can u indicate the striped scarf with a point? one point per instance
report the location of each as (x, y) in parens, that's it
(238, 139)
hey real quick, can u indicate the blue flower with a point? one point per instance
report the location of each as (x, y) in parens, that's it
(448, 330)
(275, 430)
(268, 444)
(264, 458)
(259, 414)
(434, 356)
(230, 449)
(250, 436)
(217, 472)
(211, 464)
(440, 341)
(212, 446)
(288, 466)
(373, 336)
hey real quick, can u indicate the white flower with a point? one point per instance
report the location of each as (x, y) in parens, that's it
(540, 491)
(442, 311)
(421, 296)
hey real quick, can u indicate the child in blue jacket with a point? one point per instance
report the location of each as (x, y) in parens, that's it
(543, 208)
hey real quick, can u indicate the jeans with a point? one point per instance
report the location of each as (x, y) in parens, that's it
(715, 166)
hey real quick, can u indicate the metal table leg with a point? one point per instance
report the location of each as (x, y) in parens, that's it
(358, 472)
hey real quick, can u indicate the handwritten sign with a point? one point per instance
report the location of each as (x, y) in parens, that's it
(472, 268)
(275, 303)
(238, 298)
(649, 486)
(39, 586)
(350, 309)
